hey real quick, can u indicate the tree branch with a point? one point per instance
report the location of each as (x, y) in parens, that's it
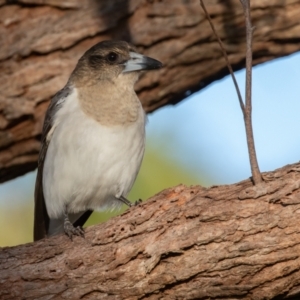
(226, 58)
(35, 65)
(256, 175)
(231, 241)
(247, 108)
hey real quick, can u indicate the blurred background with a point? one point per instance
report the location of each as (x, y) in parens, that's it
(199, 141)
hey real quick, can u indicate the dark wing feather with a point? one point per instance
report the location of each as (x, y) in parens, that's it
(41, 218)
(83, 218)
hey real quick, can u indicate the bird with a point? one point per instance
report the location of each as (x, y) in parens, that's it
(93, 140)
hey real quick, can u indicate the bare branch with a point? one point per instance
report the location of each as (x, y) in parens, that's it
(256, 175)
(183, 243)
(247, 107)
(35, 65)
(226, 58)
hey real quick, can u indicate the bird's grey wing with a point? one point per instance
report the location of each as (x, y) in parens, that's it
(41, 218)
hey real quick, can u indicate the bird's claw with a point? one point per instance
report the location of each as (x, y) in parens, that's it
(137, 202)
(70, 230)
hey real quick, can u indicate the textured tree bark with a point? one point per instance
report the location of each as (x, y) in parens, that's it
(226, 242)
(41, 41)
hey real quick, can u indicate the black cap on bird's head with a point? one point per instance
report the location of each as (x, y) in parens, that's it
(108, 59)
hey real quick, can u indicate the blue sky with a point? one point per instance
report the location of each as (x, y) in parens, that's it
(205, 133)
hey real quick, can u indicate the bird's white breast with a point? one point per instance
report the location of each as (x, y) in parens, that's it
(88, 165)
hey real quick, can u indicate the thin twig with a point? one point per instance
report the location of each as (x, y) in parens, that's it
(256, 175)
(225, 56)
(247, 107)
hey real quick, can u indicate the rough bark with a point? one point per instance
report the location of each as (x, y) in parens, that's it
(41, 41)
(225, 242)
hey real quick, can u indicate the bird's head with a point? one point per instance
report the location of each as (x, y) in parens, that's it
(108, 60)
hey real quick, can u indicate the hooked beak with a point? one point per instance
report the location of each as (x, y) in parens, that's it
(138, 62)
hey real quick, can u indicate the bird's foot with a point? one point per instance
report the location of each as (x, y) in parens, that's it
(128, 203)
(137, 202)
(70, 230)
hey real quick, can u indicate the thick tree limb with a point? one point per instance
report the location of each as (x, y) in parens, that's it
(231, 242)
(41, 41)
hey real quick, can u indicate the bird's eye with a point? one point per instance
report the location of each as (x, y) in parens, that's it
(112, 56)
